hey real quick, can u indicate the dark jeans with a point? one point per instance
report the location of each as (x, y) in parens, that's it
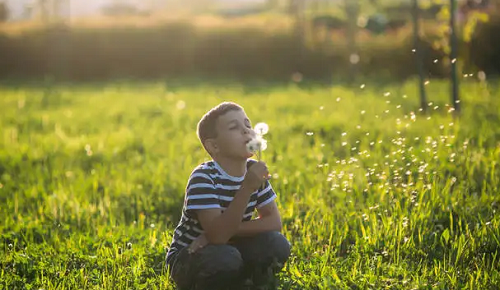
(217, 267)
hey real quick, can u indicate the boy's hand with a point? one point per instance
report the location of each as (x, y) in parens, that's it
(255, 177)
(200, 242)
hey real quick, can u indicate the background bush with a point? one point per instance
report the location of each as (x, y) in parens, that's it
(181, 49)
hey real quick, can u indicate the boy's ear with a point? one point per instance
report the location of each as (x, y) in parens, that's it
(211, 146)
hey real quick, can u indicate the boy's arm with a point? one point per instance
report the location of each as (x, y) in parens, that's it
(269, 220)
(220, 227)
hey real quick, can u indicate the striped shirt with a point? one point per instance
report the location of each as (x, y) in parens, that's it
(210, 187)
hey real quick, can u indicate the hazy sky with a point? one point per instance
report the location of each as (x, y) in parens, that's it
(84, 7)
(77, 7)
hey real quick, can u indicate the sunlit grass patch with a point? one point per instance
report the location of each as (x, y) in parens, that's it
(373, 193)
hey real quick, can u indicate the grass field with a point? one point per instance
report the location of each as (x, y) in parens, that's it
(373, 194)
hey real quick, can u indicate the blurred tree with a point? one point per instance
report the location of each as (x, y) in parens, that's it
(48, 10)
(272, 4)
(4, 12)
(419, 54)
(42, 10)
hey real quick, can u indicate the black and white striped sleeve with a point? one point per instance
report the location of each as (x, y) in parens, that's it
(266, 195)
(201, 192)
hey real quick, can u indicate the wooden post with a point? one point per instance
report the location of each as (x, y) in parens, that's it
(419, 55)
(453, 57)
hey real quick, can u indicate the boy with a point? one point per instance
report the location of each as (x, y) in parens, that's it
(216, 244)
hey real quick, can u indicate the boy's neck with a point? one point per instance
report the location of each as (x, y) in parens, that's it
(236, 168)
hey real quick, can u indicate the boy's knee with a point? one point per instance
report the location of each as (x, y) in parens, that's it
(212, 267)
(278, 245)
(221, 258)
(220, 267)
(268, 246)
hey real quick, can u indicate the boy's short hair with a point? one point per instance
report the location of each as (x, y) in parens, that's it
(207, 125)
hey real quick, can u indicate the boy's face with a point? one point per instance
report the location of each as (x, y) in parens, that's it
(234, 131)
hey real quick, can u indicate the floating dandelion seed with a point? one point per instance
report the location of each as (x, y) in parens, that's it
(481, 76)
(310, 133)
(354, 58)
(321, 108)
(363, 112)
(297, 77)
(180, 105)
(338, 99)
(362, 86)
(454, 60)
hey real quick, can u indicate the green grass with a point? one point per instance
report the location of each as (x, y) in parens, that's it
(92, 179)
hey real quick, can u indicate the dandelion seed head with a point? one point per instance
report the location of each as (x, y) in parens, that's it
(261, 128)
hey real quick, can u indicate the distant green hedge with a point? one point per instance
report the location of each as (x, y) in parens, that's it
(179, 49)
